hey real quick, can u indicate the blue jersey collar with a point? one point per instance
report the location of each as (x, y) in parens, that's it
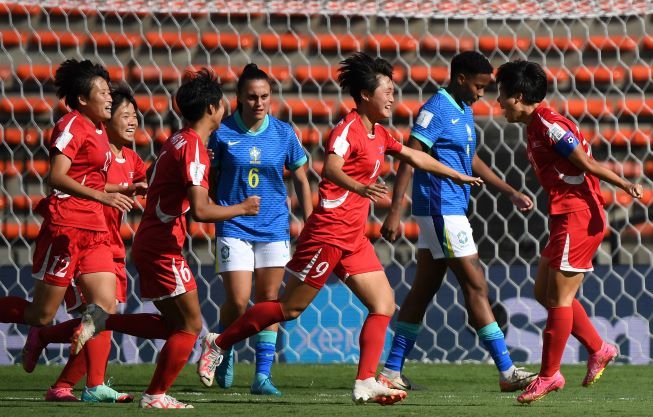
(241, 125)
(451, 99)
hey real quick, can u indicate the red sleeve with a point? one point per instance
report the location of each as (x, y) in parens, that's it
(196, 163)
(140, 170)
(391, 144)
(342, 140)
(68, 137)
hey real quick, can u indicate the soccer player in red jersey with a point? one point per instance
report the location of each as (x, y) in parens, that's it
(74, 239)
(127, 175)
(563, 163)
(178, 184)
(333, 239)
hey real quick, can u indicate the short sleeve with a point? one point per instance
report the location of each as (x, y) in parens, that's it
(342, 140)
(561, 137)
(392, 146)
(428, 125)
(70, 139)
(140, 169)
(196, 161)
(296, 155)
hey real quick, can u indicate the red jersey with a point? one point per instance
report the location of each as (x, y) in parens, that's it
(183, 162)
(123, 171)
(341, 216)
(88, 150)
(570, 189)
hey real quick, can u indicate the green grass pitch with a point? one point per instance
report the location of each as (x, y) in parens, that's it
(325, 390)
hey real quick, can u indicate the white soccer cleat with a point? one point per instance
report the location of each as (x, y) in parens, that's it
(371, 391)
(161, 401)
(399, 382)
(210, 358)
(518, 380)
(92, 322)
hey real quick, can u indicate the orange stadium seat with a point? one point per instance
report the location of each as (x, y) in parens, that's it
(628, 169)
(401, 135)
(16, 9)
(224, 72)
(154, 103)
(39, 72)
(407, 108)
(287, 42)
(9, 38)
(648, 168)
(308, 106)
(127, 230)
(16, 136)
(143, 136)
(13, 231)
(20, 105)
(391, 43)
(647, 42)
(559, 74)
(116, 40)
(446, 43)
(71, 11)
(636, 106)
(5, 72)
(200, 230)
(624, 136)
(641, 73)
(227, 41)
(484, 108)
(172, 40)
(309, 135)
(600, 74)
(24, 202)
(50, 39)
(562, 43)
(319, 73)
(578, 107)
(331, 42)
(151, 73)
(611, 43)
(161, 134)
(503, 43)
(420, 74)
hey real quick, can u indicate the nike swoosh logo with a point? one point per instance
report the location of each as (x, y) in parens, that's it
(230, 143)
(454, 121)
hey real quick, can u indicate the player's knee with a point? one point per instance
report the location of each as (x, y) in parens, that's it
(292, 312)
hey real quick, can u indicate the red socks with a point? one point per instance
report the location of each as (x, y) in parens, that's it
(372, 339)
(96, 351)
(74, 370)
(145, 325)
(584, 330)
(557, 331)
(171, 361)
(12, 310)
(257, 318)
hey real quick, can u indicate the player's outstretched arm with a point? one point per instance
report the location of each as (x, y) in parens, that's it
(520, 200)
(303, 190)
(580, 159)
(425, 162)
(334, 173)
(204, 210)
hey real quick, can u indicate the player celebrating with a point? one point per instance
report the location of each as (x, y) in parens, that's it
(334, 236)
(445, 129)
(179, 184)
(74, 239)
(127, 175)
(563, 163)
(251, 149)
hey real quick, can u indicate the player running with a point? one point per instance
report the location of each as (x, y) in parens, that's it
(564, 166)
(444, 128)
(333, 239)
(251, 149)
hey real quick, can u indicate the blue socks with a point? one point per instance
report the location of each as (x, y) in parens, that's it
(266, 346)
(402, 344)
(494, 341)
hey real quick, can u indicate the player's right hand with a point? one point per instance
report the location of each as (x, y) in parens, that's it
(374, 191)
(252, 205)
(634, 190)
(116, 200)
(462, 179)
(391, 229)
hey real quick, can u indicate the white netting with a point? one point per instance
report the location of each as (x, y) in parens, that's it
(598, 54)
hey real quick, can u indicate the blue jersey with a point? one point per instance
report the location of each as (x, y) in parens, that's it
(448, 131)
(252, 163)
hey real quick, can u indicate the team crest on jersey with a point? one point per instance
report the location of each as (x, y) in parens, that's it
(224, 253)
(462, 238)
(255, 155)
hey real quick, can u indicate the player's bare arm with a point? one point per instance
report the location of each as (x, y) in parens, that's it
(303, 191)
(60, 180)
(520, 200)
(580, 159)
(425, 162)
(333, 172)
(204, 210)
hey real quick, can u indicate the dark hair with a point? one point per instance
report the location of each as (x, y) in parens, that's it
(198, 91)
(74, 78)
(525, 77)
(360, 72)
(470, 63)
(119, 95)
(250, 72)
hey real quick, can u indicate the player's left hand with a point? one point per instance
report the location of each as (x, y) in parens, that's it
(522, 201)
(634, 190)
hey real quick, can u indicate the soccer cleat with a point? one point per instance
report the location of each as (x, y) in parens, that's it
(105, 394)
(519, 380)
(210, 359)
(161, 401)
(598, 361)
(263, 385)
(540, 387)
(32, 349)
(399, 382)
(224, 373)
(92, 322)
(60, 394)
(371, 391)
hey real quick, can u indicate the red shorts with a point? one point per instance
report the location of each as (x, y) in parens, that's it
(63, 252)
(162, 276)
(313, 261)
(74, 298)
(574, 239)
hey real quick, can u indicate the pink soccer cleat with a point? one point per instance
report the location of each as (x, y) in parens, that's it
(598, 361)
(60, 394)
(210, 359)
(540, 387)
(32, 349)
(161, 401)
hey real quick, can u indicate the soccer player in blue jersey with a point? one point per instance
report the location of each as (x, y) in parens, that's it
(251, 149)
(445, 128)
